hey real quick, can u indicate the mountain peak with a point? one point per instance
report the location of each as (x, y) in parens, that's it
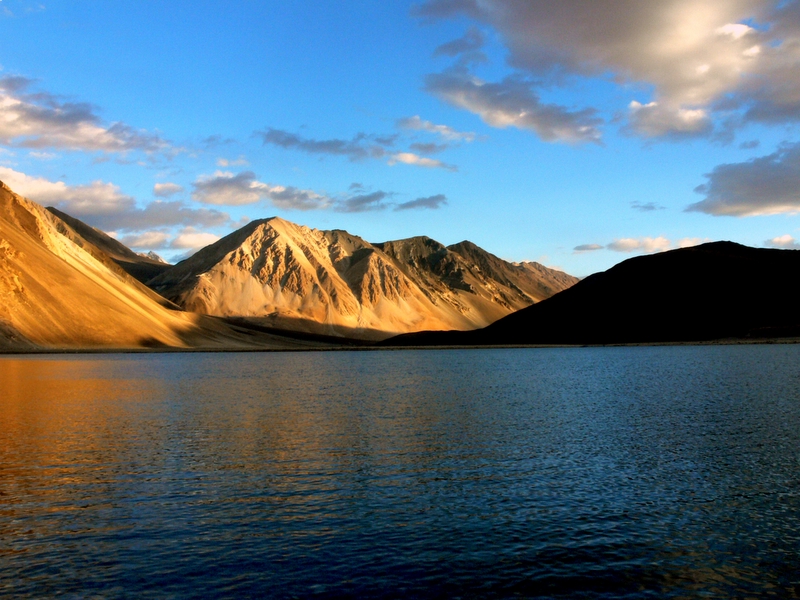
(331, 281)
(152, 256)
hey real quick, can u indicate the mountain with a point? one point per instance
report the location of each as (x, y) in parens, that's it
(290, 276)
(142, 267)
(713, 291)
(152, 256)
(58, 290)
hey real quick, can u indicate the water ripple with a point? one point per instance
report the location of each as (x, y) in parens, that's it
(549, 473)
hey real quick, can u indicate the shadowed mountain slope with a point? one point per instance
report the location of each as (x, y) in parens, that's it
(57, 290)
(143, 268)
(537, 281)
(713, 291)
(332, 282)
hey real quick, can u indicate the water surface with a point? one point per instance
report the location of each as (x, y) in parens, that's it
(562, 473)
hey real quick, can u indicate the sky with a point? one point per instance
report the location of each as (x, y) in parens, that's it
(575, 133)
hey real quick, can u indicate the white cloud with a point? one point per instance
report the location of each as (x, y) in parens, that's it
(292, 198)
(97, 197)
(146, 240)
(766, 185)
(752, 52)
(514, 103)
(694, 56)
(165, 190)
(786, 242)
(193, 239)
(690, 242)
(42, 120)
(734, 30)
(446, 132)
(237, 162)
(43, 155)
(104, 206)
(189, 238)
(409, 158)
(225, 188)
(646, 245)
(655, 119)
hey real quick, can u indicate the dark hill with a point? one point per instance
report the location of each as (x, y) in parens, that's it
(713, 291)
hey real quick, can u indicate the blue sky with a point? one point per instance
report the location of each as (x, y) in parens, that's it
(575, 133)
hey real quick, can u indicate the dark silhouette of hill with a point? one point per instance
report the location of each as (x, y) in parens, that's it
(709, 292)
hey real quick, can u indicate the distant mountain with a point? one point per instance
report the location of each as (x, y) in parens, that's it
(58, 290)
(708, 292)
(290, 276)
(142, 267)
(152, 256)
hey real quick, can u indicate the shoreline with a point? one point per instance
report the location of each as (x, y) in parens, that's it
(368, 348)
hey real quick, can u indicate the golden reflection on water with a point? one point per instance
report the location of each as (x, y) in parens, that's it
(83, 426)
(63, 423)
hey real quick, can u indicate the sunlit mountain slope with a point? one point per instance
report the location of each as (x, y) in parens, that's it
(334, 282)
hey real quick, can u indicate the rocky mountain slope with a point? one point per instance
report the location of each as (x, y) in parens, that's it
(709, 292)
(58, 290)
(142, 267)
(287, 275)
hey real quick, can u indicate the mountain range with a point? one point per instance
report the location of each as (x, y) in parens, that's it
(273, 283)
(276, 285)
(293, 277)
(59, 290)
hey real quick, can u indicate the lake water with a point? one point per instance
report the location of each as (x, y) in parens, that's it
(559, 473)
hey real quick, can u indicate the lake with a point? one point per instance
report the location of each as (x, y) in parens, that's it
(556, 473)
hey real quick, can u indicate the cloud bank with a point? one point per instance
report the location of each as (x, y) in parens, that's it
(42, 120)
(686, 66)
(165, 190)
(190, 239)
(471, 41)
(228, 189)
(785, 242)
(514, 103)
(104, 206)
(767, 185)
(363, 146)
(646, 245)
(359, 147)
